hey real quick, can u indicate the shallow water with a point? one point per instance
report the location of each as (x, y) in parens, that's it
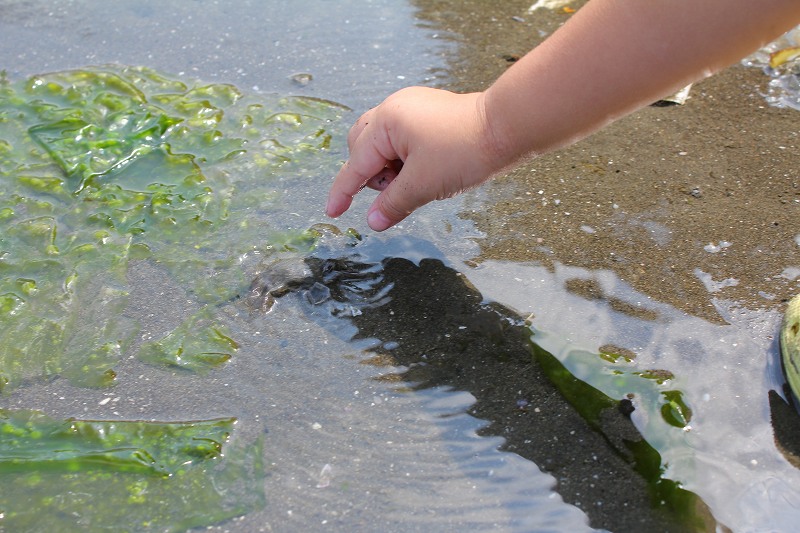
(353, 446)
(726, 454)
(341, 449)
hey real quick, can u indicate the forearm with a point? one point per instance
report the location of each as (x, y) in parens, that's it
(609, 59)
(615, 56)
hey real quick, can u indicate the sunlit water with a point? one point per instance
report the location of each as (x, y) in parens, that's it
(783, 89)
(727, 454)
(342, 449)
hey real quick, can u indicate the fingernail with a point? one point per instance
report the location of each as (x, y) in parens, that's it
(377, 220)
(333, 208)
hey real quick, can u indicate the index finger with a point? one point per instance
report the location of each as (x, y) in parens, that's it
(370, 152)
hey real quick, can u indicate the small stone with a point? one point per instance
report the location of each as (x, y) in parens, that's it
(318, 293)
(301, 78)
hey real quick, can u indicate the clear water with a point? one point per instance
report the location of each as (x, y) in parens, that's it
(784, 86)
(342, 449)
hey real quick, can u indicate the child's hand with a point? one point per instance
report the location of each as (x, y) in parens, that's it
(609, 59)
(419, 145)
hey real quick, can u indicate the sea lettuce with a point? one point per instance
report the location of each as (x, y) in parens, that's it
(104, 166)
(92, 475)
(100, 169)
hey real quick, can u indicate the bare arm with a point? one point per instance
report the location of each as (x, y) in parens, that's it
(615, 56)
(609, 59)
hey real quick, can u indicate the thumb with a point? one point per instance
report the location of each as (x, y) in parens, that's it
(398, 200)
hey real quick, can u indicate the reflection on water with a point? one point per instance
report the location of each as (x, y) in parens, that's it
(426, 318)
(727, 454)
(423, 443)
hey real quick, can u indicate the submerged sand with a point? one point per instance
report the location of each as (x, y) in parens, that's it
(683, 202)
(690, 204)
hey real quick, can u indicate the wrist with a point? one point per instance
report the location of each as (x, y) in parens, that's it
(494, 140)
(501, 145)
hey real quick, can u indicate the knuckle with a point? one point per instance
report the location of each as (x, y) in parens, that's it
(392, 209)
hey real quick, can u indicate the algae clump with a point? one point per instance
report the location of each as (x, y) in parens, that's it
(100, 168)
(91, 475)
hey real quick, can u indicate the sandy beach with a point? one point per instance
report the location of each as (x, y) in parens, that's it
(680, 201)
(660, 251)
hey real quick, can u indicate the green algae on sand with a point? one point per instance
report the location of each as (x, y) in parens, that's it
(90, 475)
(593, 397)
(103, 166)
(197, 345)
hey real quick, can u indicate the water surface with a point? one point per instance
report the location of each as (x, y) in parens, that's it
(359, 447)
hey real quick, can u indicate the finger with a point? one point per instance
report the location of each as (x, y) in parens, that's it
(358, 127)
(398, 200)
(369, 156)
(383, 178)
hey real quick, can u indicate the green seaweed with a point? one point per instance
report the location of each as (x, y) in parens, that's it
(103, 166)
(32, 440)
(613, 372)
(88, 475)
(198, 345)
(593, 394)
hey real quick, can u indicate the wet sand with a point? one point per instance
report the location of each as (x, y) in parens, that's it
(647, 195)
(601, 463)
(689, 204)
(642, 198)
